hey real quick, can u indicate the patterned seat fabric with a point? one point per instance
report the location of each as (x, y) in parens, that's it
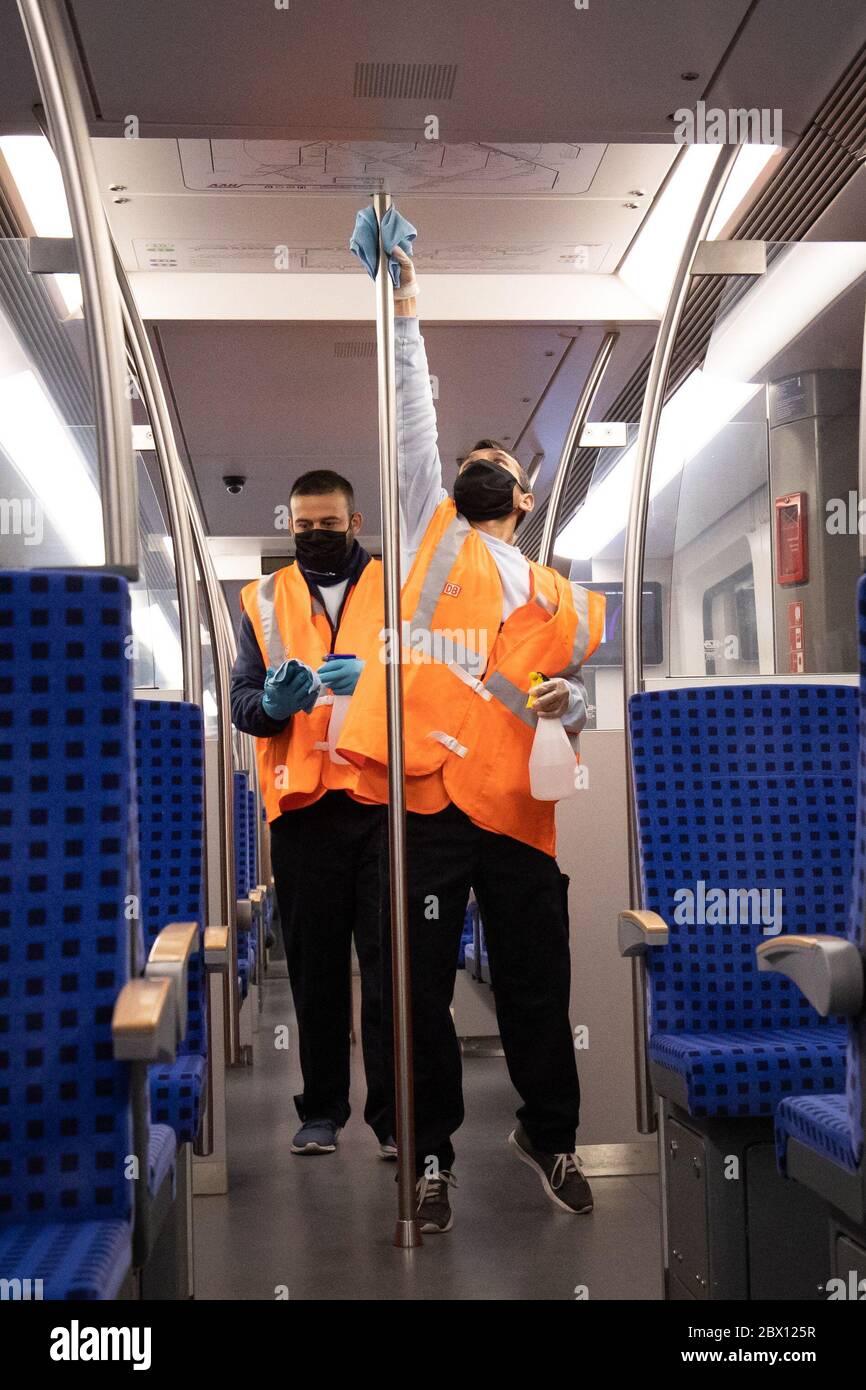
(246, 943)
(66, 1260)
(746, 811)
(65, 800)
(835, 1128)
(746, 1073)
(169, 746)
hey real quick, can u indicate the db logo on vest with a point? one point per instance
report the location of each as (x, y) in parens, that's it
(452, 590)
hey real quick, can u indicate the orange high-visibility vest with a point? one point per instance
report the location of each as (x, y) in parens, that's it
(466, 678)
(294, 766)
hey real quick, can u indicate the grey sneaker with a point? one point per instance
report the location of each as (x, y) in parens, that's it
(434, 1209)
(316, 1137)
(388, 1148)
(561, 1175)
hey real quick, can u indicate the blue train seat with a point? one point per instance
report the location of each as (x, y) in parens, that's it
(831, 1127)
(244, 883)
(169, 748)
(66, 944)
(745, 790)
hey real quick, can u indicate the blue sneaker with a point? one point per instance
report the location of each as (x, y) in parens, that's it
(316, 1137)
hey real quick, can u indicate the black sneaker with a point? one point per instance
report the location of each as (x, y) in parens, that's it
(434, 1209)
(561, 1175)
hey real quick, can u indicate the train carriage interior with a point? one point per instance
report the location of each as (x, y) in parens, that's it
(641, 260)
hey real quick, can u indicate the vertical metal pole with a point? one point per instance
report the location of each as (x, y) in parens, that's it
(64, 109)
(572, 442)
(214, 605)
(172, 481)
(407, 1233)
(632, 587)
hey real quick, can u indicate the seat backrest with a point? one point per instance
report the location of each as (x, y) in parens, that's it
(241, 814)
(856, 932)
(169, 757)
(252, 874)
(741, 789)
(65, 947)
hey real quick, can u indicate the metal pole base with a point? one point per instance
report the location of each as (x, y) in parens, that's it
(407, 1235)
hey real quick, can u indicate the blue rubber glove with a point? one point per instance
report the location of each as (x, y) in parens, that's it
(293, 687)
(341, 674)
(364, 241)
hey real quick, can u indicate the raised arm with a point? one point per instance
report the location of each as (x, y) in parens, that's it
(420, 469)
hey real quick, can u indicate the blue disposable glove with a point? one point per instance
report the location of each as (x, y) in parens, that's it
(341, 674)
(364, 241)
(293, 687)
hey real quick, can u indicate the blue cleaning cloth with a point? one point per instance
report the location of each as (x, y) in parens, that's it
(364, 241)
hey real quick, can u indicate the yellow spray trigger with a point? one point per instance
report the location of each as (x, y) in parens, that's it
(535, 678)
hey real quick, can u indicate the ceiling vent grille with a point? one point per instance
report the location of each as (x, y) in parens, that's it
(405, 81)
(366, 348)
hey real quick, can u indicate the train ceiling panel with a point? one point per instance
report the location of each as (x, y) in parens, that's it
(582, 223)
(304, 396)
(496, 70)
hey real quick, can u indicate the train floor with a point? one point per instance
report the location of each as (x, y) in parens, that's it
(321, 1227)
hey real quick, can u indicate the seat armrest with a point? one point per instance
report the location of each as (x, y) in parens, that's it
(827, 969)
(637, 929)
(216, 948)
(169, 960)
(245, 914)
(143, 1025)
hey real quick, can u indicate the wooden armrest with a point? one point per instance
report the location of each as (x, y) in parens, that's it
(637, 929)
(143, 1025)
(169, 960)
(256, 896)
(216, 947)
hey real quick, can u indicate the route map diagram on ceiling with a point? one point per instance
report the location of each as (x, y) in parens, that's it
(320, 166)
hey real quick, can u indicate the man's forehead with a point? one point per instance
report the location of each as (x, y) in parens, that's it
(320, 503)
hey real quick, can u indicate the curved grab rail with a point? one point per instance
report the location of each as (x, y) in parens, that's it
(632, 586)
(48, 41)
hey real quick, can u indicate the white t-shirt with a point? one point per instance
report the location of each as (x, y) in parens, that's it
(332, 595)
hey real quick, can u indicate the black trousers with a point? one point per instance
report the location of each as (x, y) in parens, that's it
(325, 859)
(523, 901)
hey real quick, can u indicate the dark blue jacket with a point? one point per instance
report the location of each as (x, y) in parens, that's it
(249, 671)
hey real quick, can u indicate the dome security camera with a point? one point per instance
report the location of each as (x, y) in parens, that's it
(234, 483)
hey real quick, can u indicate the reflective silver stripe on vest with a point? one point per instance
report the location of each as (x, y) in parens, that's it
(510, 695)
(274, 645)
(438, 570)
(580, 598)
(545, 603)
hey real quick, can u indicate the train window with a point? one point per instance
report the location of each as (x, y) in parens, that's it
(155, 608)
(757, 454)
(50, 510)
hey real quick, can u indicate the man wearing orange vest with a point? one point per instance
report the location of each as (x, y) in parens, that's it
(478, 619)
(306, 632)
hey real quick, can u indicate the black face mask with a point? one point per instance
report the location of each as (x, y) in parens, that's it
(324, 552)
(484, 491)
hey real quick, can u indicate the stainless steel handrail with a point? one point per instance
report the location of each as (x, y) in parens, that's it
(214, 603)
(572, 440)
(632, 587)
(407, 1233)
(50, 50)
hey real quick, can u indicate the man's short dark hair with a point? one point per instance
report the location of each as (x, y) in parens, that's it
(523, 477)
(320, 481)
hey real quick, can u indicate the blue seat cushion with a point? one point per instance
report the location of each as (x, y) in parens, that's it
(820, 1122)
(176, 1091)
(747, 1074)
(74, 1259)
(162, 1151)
